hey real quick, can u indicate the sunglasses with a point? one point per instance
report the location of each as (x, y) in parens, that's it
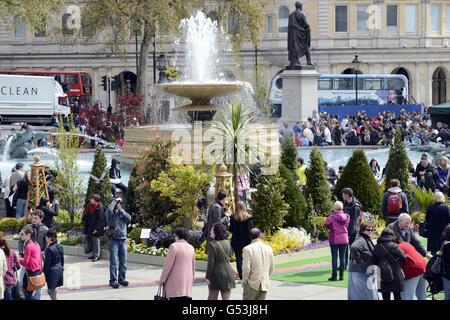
(370, 230)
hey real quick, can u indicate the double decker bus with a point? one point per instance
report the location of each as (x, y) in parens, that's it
(76, 84)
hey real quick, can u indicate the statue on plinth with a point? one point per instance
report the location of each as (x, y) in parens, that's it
(299, 37)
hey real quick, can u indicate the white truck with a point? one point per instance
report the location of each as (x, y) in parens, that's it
(31, 99)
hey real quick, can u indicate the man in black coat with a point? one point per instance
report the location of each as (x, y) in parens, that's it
(116, 178)
(352, 207)
(426, 174)
(216, 213)
(48, 212)
(404, 233)
(437, 218)
(94, 224)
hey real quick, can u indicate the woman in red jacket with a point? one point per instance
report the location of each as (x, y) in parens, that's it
(32, 260)
(414, 269)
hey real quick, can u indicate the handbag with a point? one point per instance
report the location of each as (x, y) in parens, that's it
(161, 294)
(236, 276)
(35, 282)
(386, 272)
(437, 267)
(423, 229)
(18, 292)
(112, 234)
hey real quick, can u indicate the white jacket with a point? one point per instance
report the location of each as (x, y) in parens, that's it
(3, 269)
(257, 265)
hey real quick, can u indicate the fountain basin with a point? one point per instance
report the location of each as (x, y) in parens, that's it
(201, 93)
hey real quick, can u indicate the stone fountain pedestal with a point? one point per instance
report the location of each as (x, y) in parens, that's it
(300, 97)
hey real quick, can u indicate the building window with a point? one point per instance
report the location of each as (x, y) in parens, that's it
(19, 27)
(341, 19)
(283, 19)
(391, 18)
(362, 17)
(411, 18)
(85, 26)
(66, 29)
(447, 23)
(233, 23)
(269, 25)
(133, 32)
(436, 18)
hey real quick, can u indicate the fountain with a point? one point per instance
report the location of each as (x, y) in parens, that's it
(18, 145)
(203, 81)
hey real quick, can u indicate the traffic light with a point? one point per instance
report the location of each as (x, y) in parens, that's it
(104, 83)
(113, 85)
(117, 79)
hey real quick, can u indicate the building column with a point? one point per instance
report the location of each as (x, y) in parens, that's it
(429, 97)
(416, 83)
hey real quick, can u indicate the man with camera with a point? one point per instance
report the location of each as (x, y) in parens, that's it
(117, 219)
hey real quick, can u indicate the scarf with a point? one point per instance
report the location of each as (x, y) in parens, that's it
(91, 208)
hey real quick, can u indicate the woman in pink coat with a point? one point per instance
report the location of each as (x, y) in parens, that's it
(179, 268)
(338, 223)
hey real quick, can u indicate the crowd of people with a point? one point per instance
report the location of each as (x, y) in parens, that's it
(362, 129)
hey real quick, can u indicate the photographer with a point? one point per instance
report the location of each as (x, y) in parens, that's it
(117, 219)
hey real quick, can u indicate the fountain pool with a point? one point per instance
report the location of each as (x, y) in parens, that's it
(85, 160)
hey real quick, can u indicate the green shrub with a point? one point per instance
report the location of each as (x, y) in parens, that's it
(135, 235)
(267, 204)
(323, 232)
(289, 156)
(8, 224)
(104, 187)
(22, 223)
(359, 177)
(317, 184)
(66, 226)
(417, 217)
(294, 198)
(424, 198)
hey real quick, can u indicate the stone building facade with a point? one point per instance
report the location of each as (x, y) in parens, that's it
(409, 37)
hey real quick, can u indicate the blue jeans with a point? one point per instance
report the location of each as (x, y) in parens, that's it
(30, 295)
(117, 251)
(8, 292)
(446, 284)
(416, 286)
(21, 208)
(342, 248)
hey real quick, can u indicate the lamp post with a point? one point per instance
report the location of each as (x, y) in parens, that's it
(356, 62)
(161, 63)
(154, 58)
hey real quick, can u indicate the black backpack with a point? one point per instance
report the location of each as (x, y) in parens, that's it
(434, 281)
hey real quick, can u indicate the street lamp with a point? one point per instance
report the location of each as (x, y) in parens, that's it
(161, 62)
(356, 62)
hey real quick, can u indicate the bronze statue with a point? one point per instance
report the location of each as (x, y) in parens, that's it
(299, 37)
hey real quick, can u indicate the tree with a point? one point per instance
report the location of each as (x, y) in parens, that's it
(102, 187)
(232, 127)
(267, 204)
(154, 17)
(183, 185)
(68, 182)
(317, 184)
(154, 159)
(35, 13)
(289, 155)
(131, 196)
(309, 223)
(358, 176)
(294, 198)
(397, 167)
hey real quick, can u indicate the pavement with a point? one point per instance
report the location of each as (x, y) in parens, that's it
(87, 280)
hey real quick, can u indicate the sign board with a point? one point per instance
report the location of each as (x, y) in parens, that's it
(145, 233)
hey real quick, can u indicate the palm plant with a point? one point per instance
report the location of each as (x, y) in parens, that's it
(235, 140)
(424, 198)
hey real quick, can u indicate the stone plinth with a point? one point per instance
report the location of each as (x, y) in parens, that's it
(299, 95)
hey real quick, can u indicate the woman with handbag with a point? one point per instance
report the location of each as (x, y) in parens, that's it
(9, 279)
(32, 262)
(436, 219)
(220, 276)
(240, 225)
(53, 263)
(361, 271)
(387, 249)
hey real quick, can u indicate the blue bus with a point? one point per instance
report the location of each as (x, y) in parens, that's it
(337, 94)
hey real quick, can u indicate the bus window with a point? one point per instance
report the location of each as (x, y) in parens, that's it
(374, 84)
(325, 84)
(343, 84)
(85, 78)
(72, 78)
(395, 84)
